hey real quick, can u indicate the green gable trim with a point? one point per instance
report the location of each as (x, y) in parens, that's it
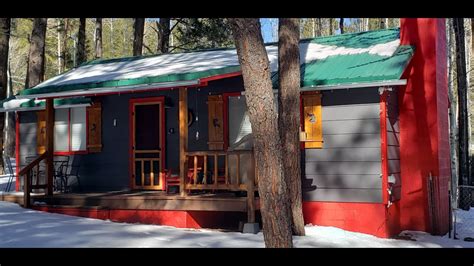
(57, 102)
(130, 82)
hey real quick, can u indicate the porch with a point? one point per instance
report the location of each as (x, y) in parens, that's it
(211, 210)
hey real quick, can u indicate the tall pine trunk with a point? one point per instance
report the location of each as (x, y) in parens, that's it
(5, 24)
(9, 130)
(81, 56)
(272, 188)
(289, 115)
(35, 73)
(98, 38)
(60, 34)
(341, 25)
(163, 35)
(453, 125)
(331, 29)
(458, 24)
(320, 28)
(138, 29)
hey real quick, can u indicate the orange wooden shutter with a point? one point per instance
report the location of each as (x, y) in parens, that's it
(41, 133)
(216, 122)
(94, 142)
(312, 120)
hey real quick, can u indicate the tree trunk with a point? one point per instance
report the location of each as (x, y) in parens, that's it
(163, 35)
(9, 131)
(81, 42)
(35, 73)
(341, 25)
(320, 27)
(98, 38)
(272, 188)
(366, 24)
(453, 132)
(458, 24)
(289, 119)
(60, 34)
(382, 23)
(331, 22)
(5, 24)
(138, 29)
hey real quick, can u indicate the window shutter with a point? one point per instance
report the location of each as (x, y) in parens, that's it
(312, 121)
(94, 127)
(41, 133)
(215, 105)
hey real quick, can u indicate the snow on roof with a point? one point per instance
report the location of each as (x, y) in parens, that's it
(366, 46)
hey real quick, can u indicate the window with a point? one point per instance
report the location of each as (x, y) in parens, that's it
(70, 130)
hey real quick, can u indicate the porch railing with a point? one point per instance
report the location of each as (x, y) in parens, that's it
(31, 170)
(226, 174)
(220, 170)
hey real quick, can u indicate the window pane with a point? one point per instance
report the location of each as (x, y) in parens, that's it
(239, 123)
(61, 142)
(147, 127)
(78, 129)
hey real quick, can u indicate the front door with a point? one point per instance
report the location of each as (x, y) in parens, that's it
(147, 143)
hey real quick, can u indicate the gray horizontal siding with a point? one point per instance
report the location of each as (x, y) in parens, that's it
(342, 168)
(348, 166)
(350, 126)
(362, 140)
(343, 155)
(393, 139)
(345, 195)
(349, 112)
(393, 152)
(347, 181)
(393, 125)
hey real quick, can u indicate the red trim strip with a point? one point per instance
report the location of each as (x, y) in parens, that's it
(17, 150)
(70, 152)
(202, 82)
(223, 76)
(383, 145)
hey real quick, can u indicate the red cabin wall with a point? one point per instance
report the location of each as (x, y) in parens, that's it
(424, 142)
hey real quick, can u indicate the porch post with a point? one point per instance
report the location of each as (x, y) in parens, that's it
(49, 145)
(183, 138)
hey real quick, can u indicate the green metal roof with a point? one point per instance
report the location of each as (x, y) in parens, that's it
(347, 58)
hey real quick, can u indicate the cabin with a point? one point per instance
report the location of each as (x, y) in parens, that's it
(166, 139)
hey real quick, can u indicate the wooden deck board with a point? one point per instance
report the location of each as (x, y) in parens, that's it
(142, 200)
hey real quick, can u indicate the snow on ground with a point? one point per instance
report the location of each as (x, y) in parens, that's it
(4, 181)
(29, 228)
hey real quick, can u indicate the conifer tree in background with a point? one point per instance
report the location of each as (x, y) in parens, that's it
(341, 25)
(163, 35)
(81, 55)
(4, 48)
(98, 38)
(138, 29)
(36, 64)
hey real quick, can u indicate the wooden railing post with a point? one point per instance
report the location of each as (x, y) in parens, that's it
(49, 145)
(27, 189)
(251, 197)
(183, 139)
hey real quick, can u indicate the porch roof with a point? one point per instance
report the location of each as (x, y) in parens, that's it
(12, 104)
(341, 59)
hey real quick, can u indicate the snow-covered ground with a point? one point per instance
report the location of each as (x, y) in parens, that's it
(28, 228)
(4, 181)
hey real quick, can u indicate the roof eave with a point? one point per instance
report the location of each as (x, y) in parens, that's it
(110, 90)
(384, 83)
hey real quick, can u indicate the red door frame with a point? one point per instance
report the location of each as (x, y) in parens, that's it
(132, 102)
